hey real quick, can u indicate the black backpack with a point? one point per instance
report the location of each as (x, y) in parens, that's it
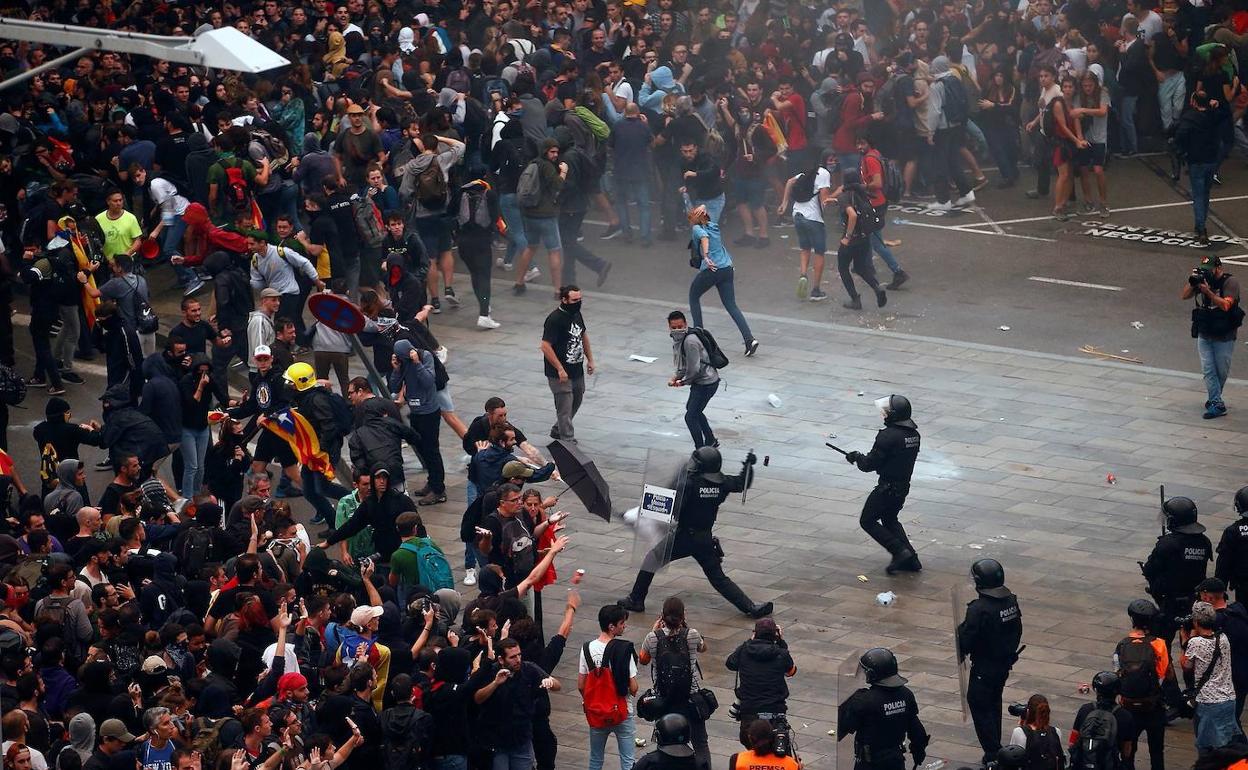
(12, 386)
(713, 351)
(869, 218)
(1097, 747)
(405, 740)
(673, 671)
(804, 187)
(1044, 749)
(196, 551)
(956, 105)
(1137, 671)
(343, 419)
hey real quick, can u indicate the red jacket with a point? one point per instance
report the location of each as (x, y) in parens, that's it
(204, 237)
(854, 118)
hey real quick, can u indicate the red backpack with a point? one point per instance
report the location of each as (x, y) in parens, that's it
(604, 707)
(237, 192)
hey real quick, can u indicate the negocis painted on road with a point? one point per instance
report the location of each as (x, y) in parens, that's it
(1099, 229)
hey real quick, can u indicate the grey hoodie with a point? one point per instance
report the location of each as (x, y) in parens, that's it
(66, 496)
(693, 364)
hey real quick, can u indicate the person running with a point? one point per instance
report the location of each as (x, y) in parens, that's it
(809, 191)
(855, 247)
(714, 265)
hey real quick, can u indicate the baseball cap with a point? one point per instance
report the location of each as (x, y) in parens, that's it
(262, 350)
(1210, 262)
(766, 628)
(270, 292)
(115, 728)
(514, 469)
(355, 109)
(154, 664)
(360, 616)
(1211, 586)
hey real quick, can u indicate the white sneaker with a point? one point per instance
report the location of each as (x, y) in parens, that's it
(442, 353)
(532, 273)
(485, 322)
(937, 206)
(965, 200)
(470, 577)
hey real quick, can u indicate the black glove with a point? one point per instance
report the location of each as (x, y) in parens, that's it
(751, 459)
(852, 458)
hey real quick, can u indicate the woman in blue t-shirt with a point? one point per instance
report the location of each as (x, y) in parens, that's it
(714, 271)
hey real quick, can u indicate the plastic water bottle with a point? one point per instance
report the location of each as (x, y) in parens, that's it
(885, 599)
(774, 400)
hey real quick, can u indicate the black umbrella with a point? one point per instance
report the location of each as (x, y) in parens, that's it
(582, 477)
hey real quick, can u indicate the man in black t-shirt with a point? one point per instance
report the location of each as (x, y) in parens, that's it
(567, 354)
(126, 480)
(507, 698)
(192, 329)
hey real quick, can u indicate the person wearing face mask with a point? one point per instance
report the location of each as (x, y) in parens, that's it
(892, 456)
(568, 357)
(693, 368)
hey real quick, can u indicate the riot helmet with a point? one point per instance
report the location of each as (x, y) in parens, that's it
(1011, 757)
(896, 410)
(707, 462)
(989, 578)
(674, 735)
(1142, 612)
(1106, 685)
(1181, 516)
(1241, 501)
(880, 666)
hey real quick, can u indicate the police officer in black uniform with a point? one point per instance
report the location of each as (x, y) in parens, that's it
(700, 489)
(674, 752)
(1232, 563)
(893, 455)
(882, 716)
(1177, 565)
(990, 636)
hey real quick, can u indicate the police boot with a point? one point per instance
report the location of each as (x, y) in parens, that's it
(902, 558)
(636, 599)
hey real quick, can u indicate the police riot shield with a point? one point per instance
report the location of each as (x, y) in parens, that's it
(960, 595)
(849, 679)
(658, 510)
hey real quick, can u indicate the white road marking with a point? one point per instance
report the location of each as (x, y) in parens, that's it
(1080, 284)
(1113, 211)
(959, 229)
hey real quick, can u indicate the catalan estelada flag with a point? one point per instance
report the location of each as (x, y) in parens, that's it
(295, 430)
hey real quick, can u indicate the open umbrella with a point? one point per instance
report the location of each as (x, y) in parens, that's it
(582, 477)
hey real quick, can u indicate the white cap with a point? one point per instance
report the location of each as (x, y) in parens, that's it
(262, 350)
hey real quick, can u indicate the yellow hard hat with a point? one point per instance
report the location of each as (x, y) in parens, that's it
(301, 376)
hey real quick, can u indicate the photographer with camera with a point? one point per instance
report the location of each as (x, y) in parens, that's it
(882, 716)
(701, 489)
(1039, 738)
(1215, 319)
(1142, 662)
(1232, 621)
(762, 663)
(1207, 654)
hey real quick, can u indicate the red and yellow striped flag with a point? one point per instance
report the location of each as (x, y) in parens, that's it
(295, 430)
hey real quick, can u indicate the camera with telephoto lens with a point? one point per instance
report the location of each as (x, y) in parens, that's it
(1184, 622)
(1017, 709)
(783, 745)
(369, 561)
(1199, 275)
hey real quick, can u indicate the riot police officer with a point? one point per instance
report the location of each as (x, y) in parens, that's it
(1232, 564)
(674, 752)
(882, 716)
(892, 456)
(700, 489)
(990, 636)
(1177, 564)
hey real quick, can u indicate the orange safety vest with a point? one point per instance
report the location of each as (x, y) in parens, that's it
(748, 760)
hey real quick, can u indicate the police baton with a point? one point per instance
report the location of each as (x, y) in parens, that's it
(750, 460)
(1161, 492)
(835, 447)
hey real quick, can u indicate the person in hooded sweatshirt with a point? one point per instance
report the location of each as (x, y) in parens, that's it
(378, 438)
(762, 663)
(199, 159)
(314, 165)
(414, 378)
(448, 703)
(127, 431)
(403, 724)
(65, 497)
(160, 598)
(379, 510)
(161, 399)
(62, 437)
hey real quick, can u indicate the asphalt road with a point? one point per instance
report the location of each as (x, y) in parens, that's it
(1003, 262)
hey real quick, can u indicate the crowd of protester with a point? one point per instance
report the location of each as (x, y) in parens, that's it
(181, 615)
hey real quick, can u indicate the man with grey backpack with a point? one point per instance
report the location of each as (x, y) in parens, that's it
(693, 368)
(1101, 737)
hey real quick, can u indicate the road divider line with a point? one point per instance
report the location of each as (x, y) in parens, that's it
(1112, 211)
(1079, 284)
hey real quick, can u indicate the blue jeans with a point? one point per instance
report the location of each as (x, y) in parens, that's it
(473, 557)
(452, 762)
(1214, 724)
(886, 254)
(1215, 365)
(317, 490)
(194, 449)
(471, 492)
(624, 733)
(1126, 125)
(1172, 95)
(1201, 175)
(714, 206)
(695, 414)
(518, 758)
(634, 190)
(516, 242)
(721, 281)
(171, 243)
